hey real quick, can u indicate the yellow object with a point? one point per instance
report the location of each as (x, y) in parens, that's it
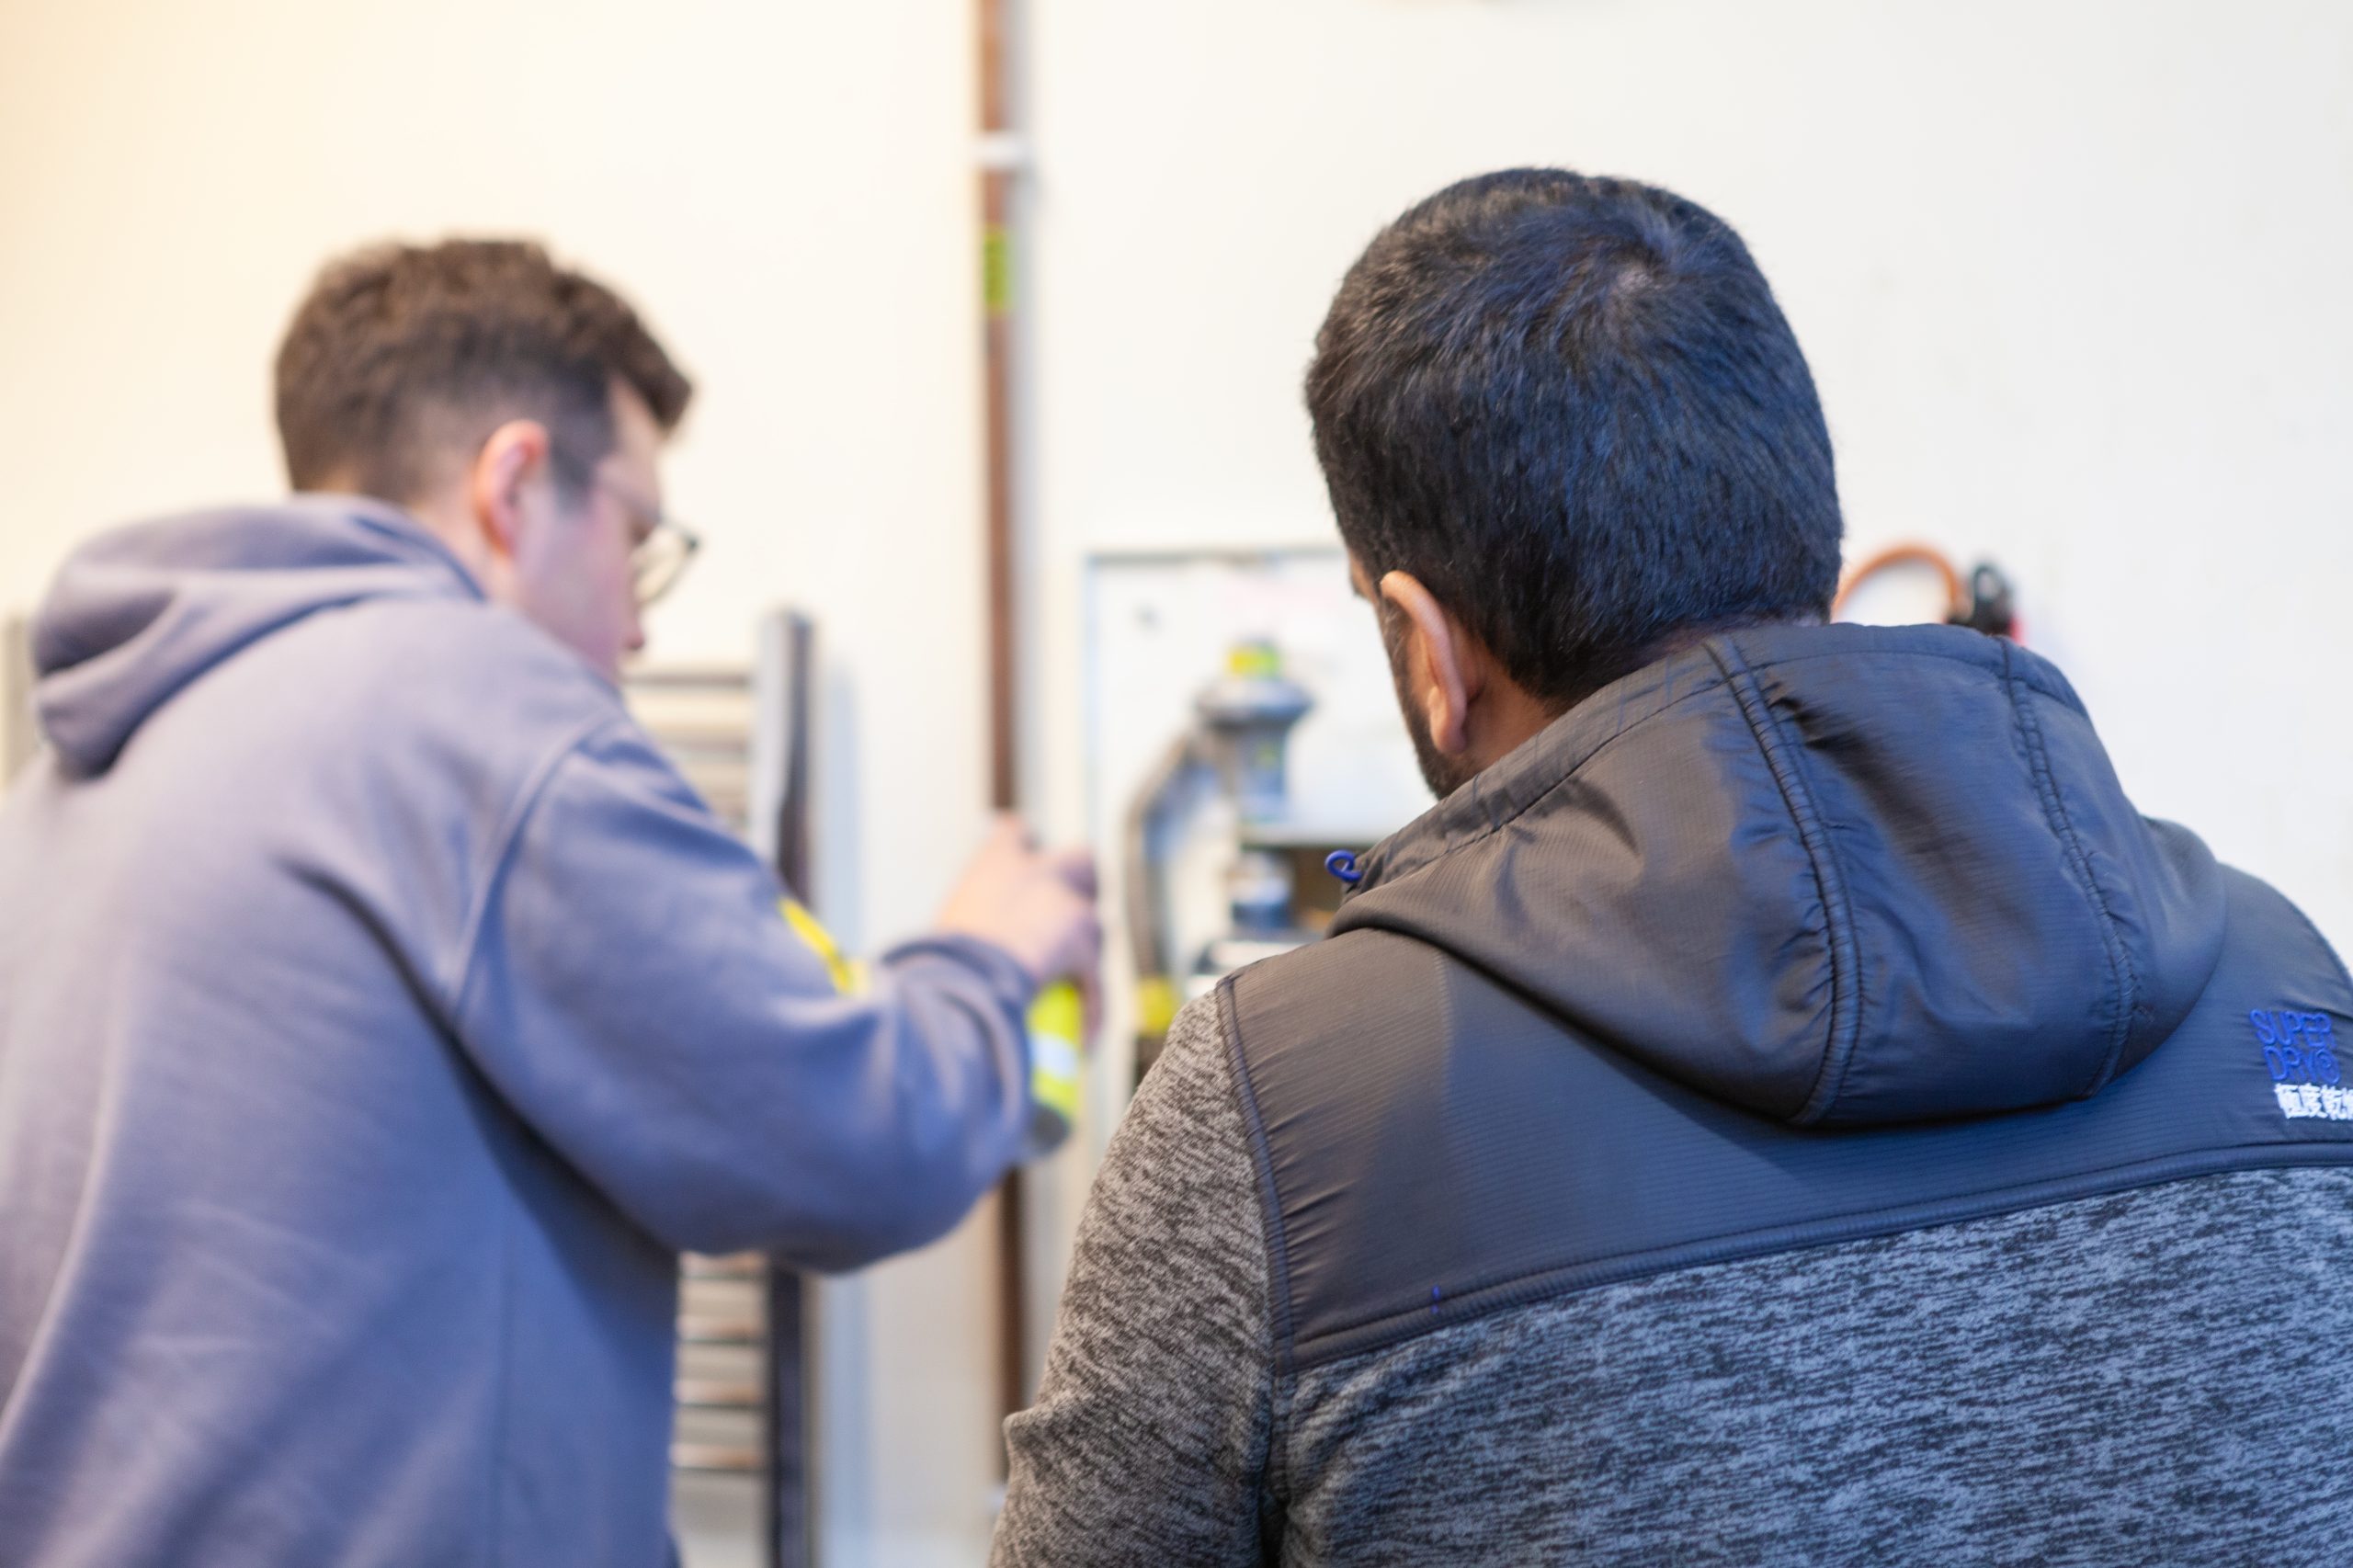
(1253, 659)
(1057, 1026)
(850, 977)
(1155, 1005)
(1057, 1021)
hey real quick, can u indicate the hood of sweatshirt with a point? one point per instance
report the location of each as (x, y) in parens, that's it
(137, 614)
(1836, 875)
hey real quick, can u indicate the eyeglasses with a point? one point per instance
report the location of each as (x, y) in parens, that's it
(664, 547)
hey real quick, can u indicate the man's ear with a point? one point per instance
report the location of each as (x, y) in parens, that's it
(516, 456)
(1440, 670)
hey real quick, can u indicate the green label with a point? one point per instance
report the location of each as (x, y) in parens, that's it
(996, 271)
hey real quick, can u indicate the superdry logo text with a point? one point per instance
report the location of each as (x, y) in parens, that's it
(2301, 1051)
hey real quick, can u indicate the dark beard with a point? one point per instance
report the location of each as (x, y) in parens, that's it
(1442, 773)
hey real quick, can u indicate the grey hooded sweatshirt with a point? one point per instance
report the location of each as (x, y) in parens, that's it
(379, 1018)
(1792, 1110)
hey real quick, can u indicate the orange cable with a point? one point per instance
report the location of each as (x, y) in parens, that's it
(1914, 554)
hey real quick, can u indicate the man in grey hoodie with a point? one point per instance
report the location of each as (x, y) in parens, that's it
(380, 1015)
(1783, 1105)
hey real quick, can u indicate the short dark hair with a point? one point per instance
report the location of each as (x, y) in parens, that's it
(403, 357)
(1571, 407)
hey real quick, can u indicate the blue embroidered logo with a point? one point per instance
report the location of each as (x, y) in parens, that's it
(2301, 1051)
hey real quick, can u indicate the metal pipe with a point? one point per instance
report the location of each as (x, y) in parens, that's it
(997, 406)
(1144, 895)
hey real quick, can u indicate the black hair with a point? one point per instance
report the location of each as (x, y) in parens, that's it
(406, 356)
(1571, 407)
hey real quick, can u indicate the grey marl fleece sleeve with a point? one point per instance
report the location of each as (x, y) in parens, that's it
(1148, 1443)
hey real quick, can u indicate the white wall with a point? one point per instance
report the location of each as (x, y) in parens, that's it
(786, 191)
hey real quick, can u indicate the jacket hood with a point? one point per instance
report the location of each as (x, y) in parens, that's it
(1836, 875)
(137, 614)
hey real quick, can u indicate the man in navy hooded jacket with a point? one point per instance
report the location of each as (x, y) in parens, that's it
(1783, 1105)
(380, 1016)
